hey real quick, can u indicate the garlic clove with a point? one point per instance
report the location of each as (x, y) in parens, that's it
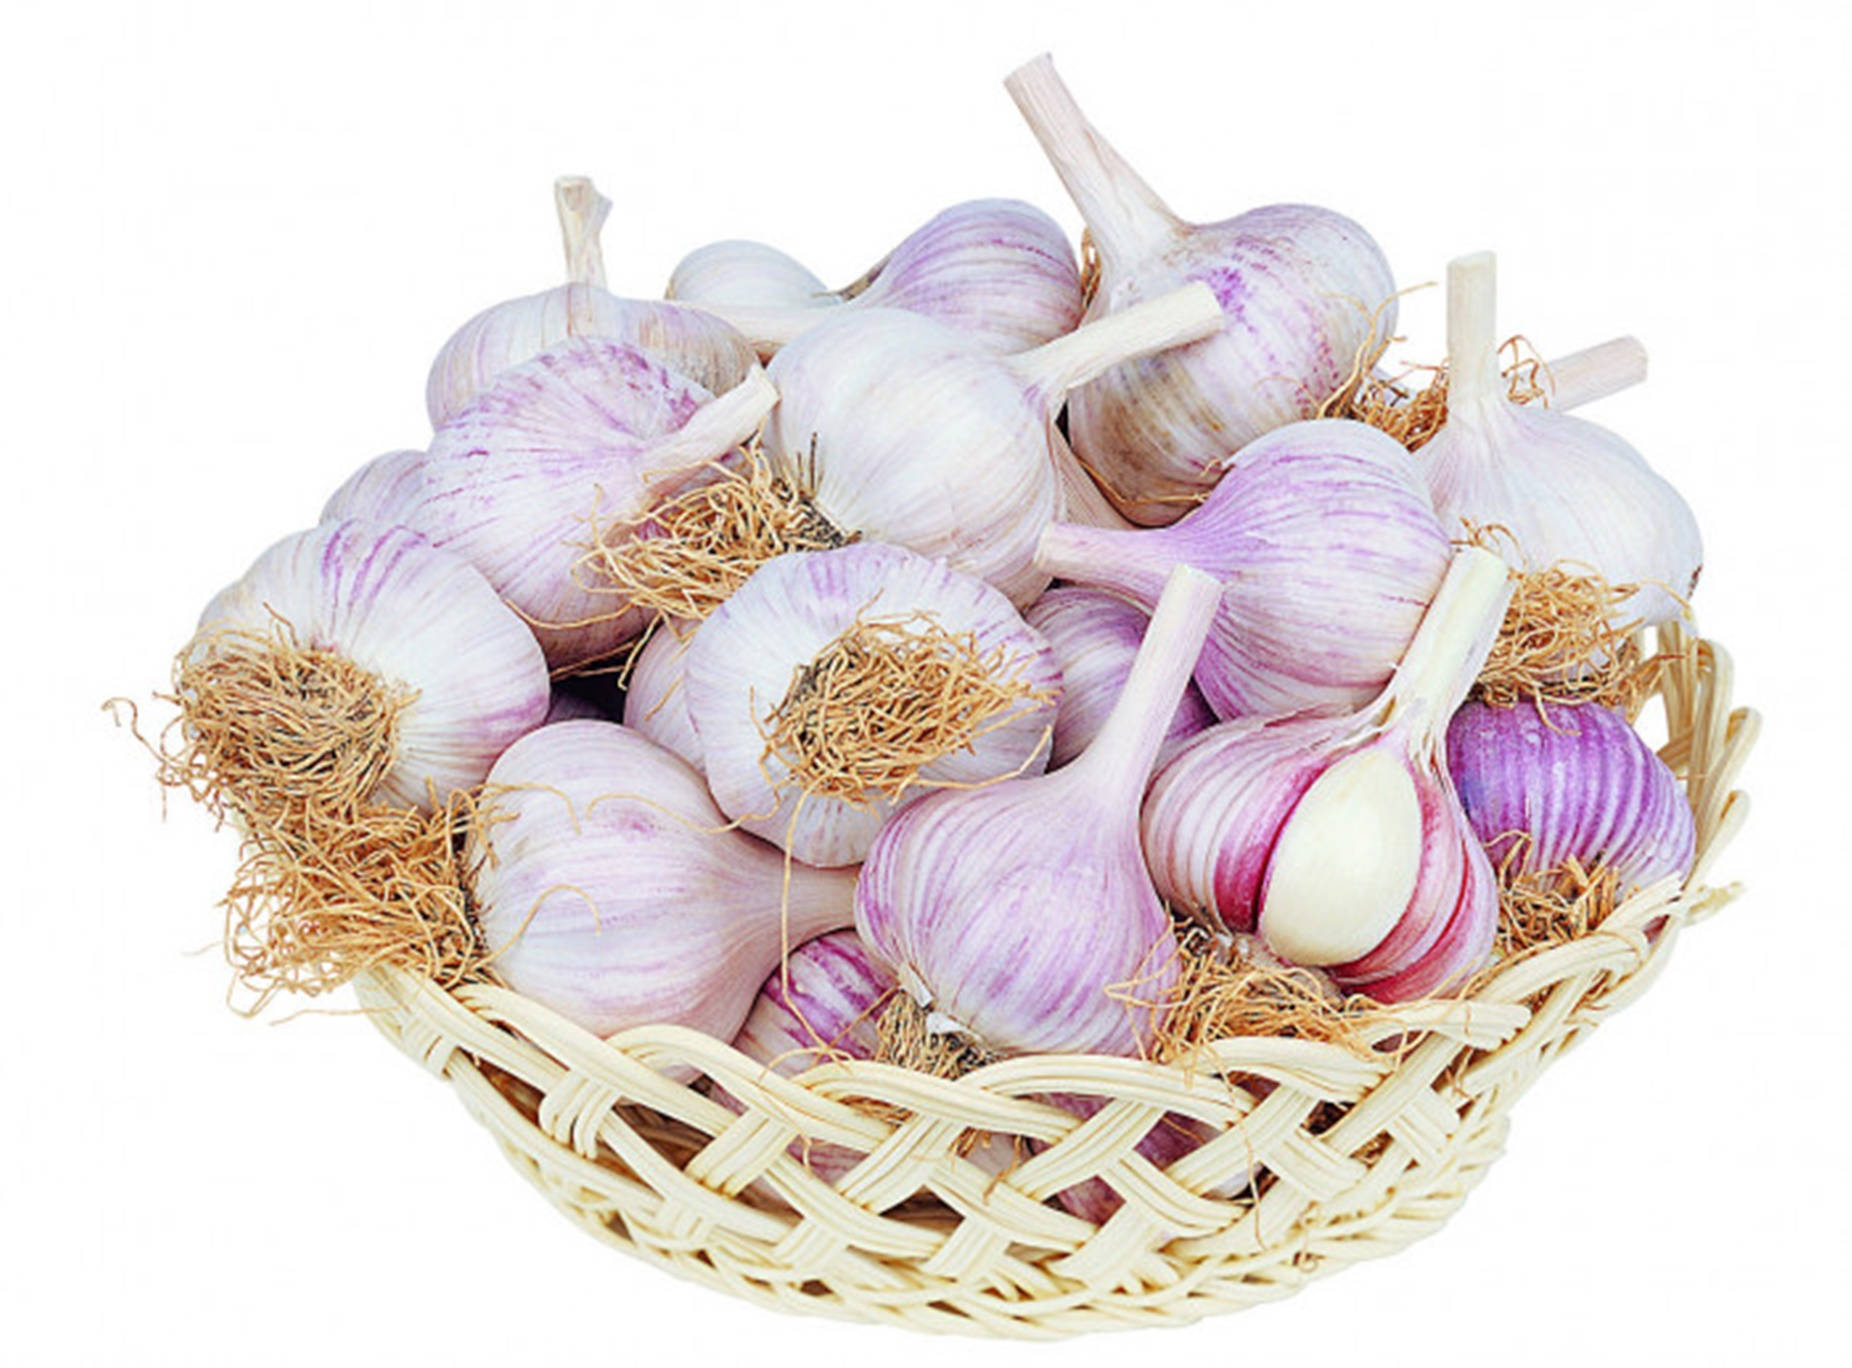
(749, 274)
(656, 703)
(758, 647)
(383, 491)
(1298, 284)
(592, 429)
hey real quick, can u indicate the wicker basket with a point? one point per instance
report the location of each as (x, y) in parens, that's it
(1356, 1157)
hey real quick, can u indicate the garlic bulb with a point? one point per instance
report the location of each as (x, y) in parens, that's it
(1339, 837)
(591, 429)
(1328, 551)
(382, 491)
(655, 703)
(1564, 489)
(789, 635)
(1575, 784)
(451, 675)
(1298, 285)
(611, 890)
(1095, 637)
(999, 271)
(898, 428)
(566, 706)
(1020, 915)
(688, 341)
(822, 1003)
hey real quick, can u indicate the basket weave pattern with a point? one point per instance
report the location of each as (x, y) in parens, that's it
(1353, 1157)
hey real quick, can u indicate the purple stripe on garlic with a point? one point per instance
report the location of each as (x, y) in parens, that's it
(1329, 553)
(745, 657)
(412, 615)
(1575, 783)
(613, 891)
(383, 491)
(1095, 637)
(1020, 914)
(1339, 836)
(1298, 285)
(822, 1003)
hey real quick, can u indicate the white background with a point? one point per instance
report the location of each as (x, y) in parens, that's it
(235, 237)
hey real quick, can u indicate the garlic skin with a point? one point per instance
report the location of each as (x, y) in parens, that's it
(382, 491)
(688, 341)
(743, 660)
(1328, 551)
(409, 614)
(898, 428)
(612, 890)
(999, 271)
(1338, 836)
(1095, 637)
(1020, 914)
(655, 703)
(1579, 784)
(1565, 489)
(822, 1003)
(1298, 284)
(592, 427)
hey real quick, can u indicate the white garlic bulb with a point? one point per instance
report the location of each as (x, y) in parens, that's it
(1299, 286)
(655, 703)
(898, 428)
(693, 343)
(1565, 490)
(998, 270)
(759, 647)
(591, 429)
(384, 490)
(419, 621)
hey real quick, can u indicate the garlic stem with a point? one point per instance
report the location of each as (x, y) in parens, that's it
(582, 212)
(1472, 338)
(1124, 215)
(1107, 558)
(1054, 368)
(1119, 760)
(712, 430)
(1450, 646)
(1595, 372)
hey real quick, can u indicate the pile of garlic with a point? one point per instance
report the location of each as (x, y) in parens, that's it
(866, 753)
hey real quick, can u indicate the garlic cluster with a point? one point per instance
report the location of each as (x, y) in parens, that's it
(1566, 491)
(1001, 272)
(1300, 288)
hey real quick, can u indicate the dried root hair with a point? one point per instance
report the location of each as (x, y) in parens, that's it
(1090, 268)
(1550, 908)
(906, 1041)
(691, 552)
(1561, 641)
(882, 701)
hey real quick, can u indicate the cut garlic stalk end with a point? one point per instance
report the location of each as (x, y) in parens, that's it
(582, 212)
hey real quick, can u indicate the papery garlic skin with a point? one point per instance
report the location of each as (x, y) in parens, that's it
(1576, 783)
(1329, 554)
(900, 429)
(744, 657)
(412, 615)
(1338, 836)
(999, 271)
(1020, 914)
(1095, 637)
(611, 890)
(1300, 286)
(382, 491)
(592, 428)
(1563, 491)
(824, 1002)
(655, 702)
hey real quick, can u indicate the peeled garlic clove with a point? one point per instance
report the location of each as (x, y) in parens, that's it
(900, 429)
(382, 491)
(688, 341)
(1328, 551)
(1298, 284)
(655, 702)
(1095, 637)
(1575, 783)
(1020, 914)
(591, 429)
(1562, 488)
(762, 645)
(425, 628)
(1339, 836)
(999, 271)
(611, 890)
